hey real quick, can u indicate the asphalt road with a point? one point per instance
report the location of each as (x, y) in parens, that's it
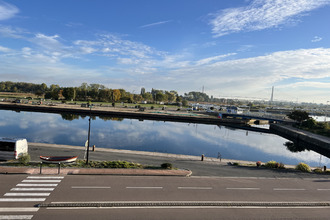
(20, 194)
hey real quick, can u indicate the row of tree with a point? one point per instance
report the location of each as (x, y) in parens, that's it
(98, 92)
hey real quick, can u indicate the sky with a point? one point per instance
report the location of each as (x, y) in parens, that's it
(228, 48)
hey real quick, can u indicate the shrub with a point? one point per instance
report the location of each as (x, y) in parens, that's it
(166, 166)
(258, 163)
(303, 167)
(281, 166)
(236, 164)
(152, 107)
(272, 164)
(24, 159)
(318, 170)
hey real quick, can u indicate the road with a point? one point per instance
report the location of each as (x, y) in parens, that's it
(20, 193)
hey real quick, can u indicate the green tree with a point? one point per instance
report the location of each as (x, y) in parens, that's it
(69, 93)
(298, 115)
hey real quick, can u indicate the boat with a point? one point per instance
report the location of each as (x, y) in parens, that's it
(58, 159)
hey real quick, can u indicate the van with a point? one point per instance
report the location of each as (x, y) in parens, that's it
(12, 148)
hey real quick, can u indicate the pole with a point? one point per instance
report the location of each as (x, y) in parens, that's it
(89, 132)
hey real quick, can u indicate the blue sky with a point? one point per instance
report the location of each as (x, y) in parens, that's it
(235, 49)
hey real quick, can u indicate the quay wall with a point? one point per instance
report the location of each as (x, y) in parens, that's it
(309, 140)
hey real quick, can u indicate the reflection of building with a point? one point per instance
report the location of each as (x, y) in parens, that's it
(234, 110)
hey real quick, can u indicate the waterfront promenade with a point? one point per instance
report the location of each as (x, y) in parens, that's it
(211, 167)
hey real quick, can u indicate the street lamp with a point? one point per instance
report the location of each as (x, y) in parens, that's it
(89, 132)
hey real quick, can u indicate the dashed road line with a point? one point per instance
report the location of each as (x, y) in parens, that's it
(243, 188)
(195, 188)
(90, 187)
(288, 189)
(144, 187)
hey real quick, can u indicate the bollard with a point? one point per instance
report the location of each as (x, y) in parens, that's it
(59, 168)
(325, 168)
(202, 159)
(93, 147)
(40, 167)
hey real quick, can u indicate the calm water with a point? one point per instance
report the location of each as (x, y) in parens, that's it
(155, 136)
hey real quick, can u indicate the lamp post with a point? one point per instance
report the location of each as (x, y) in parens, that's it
(89, 132)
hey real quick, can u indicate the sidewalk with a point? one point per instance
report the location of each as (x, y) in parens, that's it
(92, 171)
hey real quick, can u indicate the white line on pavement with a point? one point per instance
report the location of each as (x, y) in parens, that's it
(243, 188)
(16, 217)
(18, 209)
(144, 187)
(27, 194)
(45, 177)
(288, 189)
(32, 189)
(186, 187)
(194, 207)
(323, 189)
(22, 199)
(41, 181)
(31, 184)
(90, 187)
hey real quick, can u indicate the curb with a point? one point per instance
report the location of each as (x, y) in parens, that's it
(91, 171)
(178, 203)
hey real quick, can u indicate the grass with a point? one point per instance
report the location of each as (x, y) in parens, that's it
(91, 164)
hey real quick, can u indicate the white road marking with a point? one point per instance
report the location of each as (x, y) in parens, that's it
(186, 187)
(16, 216)
(243, 188)
(29, 184)
(288, 189)
(144, 187)
(323, 189)
(90, 187)
(22, 199)
(195, 207)
(45, 177)
(32, 189)
(18, 209)
(27, 194)
(41, 181)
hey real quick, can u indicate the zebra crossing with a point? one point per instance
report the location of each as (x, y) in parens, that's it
(31, 189)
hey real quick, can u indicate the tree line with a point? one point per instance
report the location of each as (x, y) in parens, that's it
(98, 92)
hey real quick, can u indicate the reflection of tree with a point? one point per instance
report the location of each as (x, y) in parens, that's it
(69, 117)
(294, 147)
(107, 118)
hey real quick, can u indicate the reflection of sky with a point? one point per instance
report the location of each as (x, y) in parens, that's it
(169, 137)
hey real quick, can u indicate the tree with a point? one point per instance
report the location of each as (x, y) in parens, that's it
(69, 93)
(298, 115)
(116, 95)
(143, 91)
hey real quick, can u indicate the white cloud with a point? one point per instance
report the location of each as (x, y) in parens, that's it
(4, 49)
(7, 11)
(261, 14)
(316, 39)
(213, 59)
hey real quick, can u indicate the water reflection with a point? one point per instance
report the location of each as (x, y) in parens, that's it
(169, 137)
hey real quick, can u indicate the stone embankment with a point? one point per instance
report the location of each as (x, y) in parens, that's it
(318, 143)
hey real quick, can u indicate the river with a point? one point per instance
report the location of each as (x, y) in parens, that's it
(154, 136)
